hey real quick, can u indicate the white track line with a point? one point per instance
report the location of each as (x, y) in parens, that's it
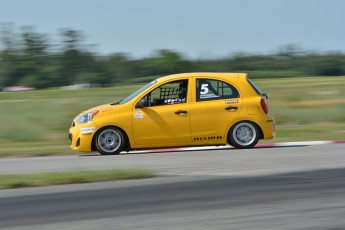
(283, 144)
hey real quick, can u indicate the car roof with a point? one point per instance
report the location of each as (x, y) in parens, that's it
(202, 74)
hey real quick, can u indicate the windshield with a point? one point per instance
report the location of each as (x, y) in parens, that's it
(133, 95)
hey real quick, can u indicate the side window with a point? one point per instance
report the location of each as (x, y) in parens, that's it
(208, 89)
(170, 93)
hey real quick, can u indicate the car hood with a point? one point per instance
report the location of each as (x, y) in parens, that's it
(101, 108)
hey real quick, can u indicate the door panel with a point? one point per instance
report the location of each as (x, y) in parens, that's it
(217, 105)
(210, 119)
(161, 125)
(165, 116)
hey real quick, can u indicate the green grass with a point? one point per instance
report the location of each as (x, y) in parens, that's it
(36, 123)
(307, 96)
(73, 177)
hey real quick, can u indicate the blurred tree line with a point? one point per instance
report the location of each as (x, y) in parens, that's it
(28, 58)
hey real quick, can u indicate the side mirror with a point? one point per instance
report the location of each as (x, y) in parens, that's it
(142, 103)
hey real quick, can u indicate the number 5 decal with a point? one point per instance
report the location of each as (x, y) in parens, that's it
(204, 89)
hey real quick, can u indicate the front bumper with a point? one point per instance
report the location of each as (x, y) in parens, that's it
(81, 135)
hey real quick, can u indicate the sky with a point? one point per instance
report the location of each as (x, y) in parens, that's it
(196, 28)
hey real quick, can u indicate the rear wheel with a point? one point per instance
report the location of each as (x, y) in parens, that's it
(243, 135)
(109, 141)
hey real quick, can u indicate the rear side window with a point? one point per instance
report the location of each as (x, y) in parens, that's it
(257, 89)
(208, 89)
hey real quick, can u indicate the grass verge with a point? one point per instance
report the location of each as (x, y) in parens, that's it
(36, 123)
(8, 181)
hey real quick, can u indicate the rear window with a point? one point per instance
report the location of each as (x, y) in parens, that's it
(257, 89)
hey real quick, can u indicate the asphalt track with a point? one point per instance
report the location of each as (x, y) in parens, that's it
(291, 187)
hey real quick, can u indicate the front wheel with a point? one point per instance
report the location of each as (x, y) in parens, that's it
(243, 135)
(110, 141)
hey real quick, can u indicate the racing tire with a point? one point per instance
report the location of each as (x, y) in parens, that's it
(243, 135)
(110, 141)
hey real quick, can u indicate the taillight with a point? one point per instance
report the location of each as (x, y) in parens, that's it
(264, 105)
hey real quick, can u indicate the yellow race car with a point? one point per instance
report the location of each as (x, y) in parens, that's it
(189, 109)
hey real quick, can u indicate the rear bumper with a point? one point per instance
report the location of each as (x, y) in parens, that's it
(268, 127)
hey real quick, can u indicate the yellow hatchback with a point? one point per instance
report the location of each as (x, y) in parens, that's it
(190, 109)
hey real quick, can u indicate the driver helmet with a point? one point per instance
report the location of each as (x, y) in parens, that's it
(182, 90)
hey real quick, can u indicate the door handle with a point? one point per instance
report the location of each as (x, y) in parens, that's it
(181, 112)
(231, 108)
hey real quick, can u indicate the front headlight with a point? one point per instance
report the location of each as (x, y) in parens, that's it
(87, 117)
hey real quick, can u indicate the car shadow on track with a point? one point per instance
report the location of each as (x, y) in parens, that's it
(191, 149)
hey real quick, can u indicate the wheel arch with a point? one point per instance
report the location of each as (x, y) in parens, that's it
(261, 134)
(127, 142)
